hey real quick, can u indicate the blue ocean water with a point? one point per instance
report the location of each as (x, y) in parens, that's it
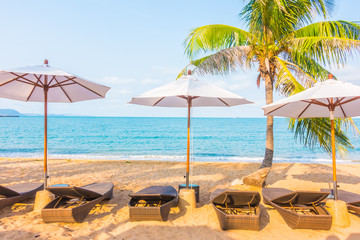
(213, 139)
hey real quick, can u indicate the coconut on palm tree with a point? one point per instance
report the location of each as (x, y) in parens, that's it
(290, 52)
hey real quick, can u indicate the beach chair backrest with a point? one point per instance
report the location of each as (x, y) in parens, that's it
(237, 198)
(349, 197)
(285, 199)
(156, 193)
(309, 197)
(7, 192)
(73, 192)
(100, 188)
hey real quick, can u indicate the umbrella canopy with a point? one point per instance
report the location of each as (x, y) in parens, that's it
(316, 102)
(331, 98)
(177, 94)
(189, 92)
(28, 84)
(44, 83)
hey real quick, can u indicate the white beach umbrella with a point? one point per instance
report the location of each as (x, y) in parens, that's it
(189, 92)
(44, 83)
(331, 98)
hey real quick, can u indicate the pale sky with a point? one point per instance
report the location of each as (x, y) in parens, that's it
(131, 46)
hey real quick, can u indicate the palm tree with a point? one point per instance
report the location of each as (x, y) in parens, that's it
(290, 53)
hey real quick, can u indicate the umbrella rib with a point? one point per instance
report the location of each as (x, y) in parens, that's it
(328, 100)
(277, 108)
(342, 110)
(338, 101)
(304, 110)
(39, 79)
(63, 89)
(66, 84)
(158, 101)
(86, 87)
(25, 80)
(224, 102)
(61, 83)
(314, 101)
(14, 79)
(32, 83)
(31, 92)
(184, 97)
(51, 80)
(68, 79)
(350, 100)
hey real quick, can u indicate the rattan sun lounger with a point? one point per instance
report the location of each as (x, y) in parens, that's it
(352, 199)
(73, 204)
(152, 203)
(17, 193)
(300, 209)
(237, 209)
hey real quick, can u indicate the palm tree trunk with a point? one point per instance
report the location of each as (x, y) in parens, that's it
(269, 151)
(258, 177)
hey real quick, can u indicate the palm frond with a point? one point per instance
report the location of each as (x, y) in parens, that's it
(276, 18)
(224, 61)
(323, 8)
(326, 50)
(341, 29)
(308, 66)
(324, 42)
(290, 78)
(316, 133)
(212, 38)
(262, 16)
(183, 72)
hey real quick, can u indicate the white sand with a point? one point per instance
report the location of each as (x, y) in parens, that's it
(112, 222)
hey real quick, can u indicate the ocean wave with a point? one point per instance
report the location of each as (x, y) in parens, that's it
(182, 158)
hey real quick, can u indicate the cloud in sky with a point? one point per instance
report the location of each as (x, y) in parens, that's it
(169, 71)
(150, 81)
(114, 81)
(348, 73)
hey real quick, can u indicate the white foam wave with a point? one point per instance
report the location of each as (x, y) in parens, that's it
(183, 158)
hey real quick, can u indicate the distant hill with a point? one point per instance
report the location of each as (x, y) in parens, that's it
(9, 113)
(40, 115)
(14, 113)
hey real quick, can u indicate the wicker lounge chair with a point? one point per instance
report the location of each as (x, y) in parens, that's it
(300, 209)
(152, 203)
(352, 199)
(237, 209)
(73, 204)
(17, 193)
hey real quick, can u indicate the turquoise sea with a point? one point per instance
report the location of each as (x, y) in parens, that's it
(213, 139)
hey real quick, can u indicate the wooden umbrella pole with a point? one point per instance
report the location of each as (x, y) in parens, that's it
(188, 143)
(45, 131)
(332, 118)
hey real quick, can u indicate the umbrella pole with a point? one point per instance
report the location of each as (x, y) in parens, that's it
(45, 132)
(188, 144)
(333, 153)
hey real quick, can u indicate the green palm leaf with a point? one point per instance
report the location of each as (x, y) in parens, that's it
(341, 29)
(316, 133)
(327, 50)
(309, 67)
(215, 38)
(273, 19)
(286, 82)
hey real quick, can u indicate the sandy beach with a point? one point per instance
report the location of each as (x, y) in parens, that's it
(111, 220)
